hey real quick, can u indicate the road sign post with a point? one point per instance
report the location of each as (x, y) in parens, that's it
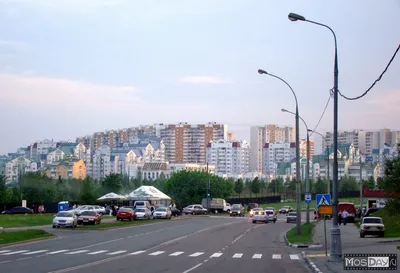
(323, 199)
(307, 197)
(325, 210)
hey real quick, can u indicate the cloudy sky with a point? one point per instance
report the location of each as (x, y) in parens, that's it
(72, 67)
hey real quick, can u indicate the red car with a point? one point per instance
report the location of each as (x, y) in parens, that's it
(89, 217)
(126, 214)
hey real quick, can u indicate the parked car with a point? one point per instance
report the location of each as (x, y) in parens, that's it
(291, 217)
(89, 217)
(175, 212)
(163, 212)
(195, 209)
(65, 219)
(372, 226)
(371, 211)
(272, 217)
(259, 215)
(285, 210)
(143, 213)
(126, 213)
(18, 210)
(237, 210)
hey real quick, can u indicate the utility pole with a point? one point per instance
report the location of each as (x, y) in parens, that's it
(208, 190)
(361, 184)
(328, 176)
(308, 176)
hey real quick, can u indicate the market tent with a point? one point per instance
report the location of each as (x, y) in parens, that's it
(149, 193)
(111, 196)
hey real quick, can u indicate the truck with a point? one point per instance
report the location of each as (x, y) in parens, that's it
(217, 205)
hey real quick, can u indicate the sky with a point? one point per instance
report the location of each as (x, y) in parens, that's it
(69, 68)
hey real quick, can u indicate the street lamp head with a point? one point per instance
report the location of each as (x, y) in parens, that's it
(260, 71)
(284, 110)
(310, 130)
(294, 17)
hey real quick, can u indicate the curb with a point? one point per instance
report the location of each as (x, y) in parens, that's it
(53, 237)
(389, 241)
(310, 264)
(289, 244)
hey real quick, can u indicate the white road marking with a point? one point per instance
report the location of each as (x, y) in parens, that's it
(156, 253)
(116, 252)
(294, 257)
(35, 252)
(276, 256)
(58, 251)
(77, 252)
(237, 255)
(137, 252)
(216, 255)
(193, 268)
(257, 256)
(4, 262)
(15, 252)
(2, 251)
(97, 252)
(26, 258)
(196, 254)
(176, 253)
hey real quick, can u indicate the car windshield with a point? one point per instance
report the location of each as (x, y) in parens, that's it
(140, 210)
(81, 207)
(292, 214)
(268, 208)
(89, 213)
(161, 209)
(269, 212)
(126, 210)
(64, 214)
(285, 207)
(236, 207)
(372, 221)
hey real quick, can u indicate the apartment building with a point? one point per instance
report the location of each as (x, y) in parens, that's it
(303, 148)
(344, 137)
(187, 143)
(259, 135)
(70, 169)
(275, 153)
(19, 166)
(229, 157)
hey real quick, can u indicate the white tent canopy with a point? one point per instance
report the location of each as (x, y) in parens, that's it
(111, 196)
(147, 193)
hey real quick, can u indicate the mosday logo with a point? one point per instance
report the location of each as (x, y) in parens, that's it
(370, 261)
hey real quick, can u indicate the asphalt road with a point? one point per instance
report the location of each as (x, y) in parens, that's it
(198, 244)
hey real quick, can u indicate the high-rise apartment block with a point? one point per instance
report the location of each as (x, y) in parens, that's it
(274, 153)
(303, 148)
(259, 135)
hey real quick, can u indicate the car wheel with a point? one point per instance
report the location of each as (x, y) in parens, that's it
(382, 234)
(54, 226)
(362, 235)
(193, 213)
(287, 221)
(254, 222)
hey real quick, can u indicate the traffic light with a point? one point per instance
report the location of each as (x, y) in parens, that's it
(208, 195)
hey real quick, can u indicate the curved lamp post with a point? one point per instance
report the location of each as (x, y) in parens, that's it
(307, 164)
(336, 242)
(327, 154)
(298, 208)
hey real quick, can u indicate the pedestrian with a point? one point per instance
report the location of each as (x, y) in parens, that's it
(340, 218)
(344, 216)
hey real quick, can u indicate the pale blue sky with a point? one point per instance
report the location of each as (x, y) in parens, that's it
(70, 68)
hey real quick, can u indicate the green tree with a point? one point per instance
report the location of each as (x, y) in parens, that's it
(112, 183)
(320, 186)
(380, 183)
(348, 184)
(371, 183)
(88, 192)
(4, 193)
(239, 186)
(255, 186)
(391, 185)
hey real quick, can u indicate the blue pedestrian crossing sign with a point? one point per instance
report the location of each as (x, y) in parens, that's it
(307, 197)
(323, 199)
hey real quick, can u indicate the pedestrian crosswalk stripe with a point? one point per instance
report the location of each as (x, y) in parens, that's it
(97, 252)
(276, 256)
(216, 255)
(176, 253)
(237, 255)
(116, 252)
(58, 251)
(196, 254)
(156, 253)
(137, 252)
(294, 257)
(15, 252)
(77, 252)
(2, 251)
(257, 256)
(34, 252)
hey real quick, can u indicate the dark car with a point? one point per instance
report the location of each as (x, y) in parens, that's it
(251, 206)
(175, 212)
(285, 210)
(18, 210)
(237, 210)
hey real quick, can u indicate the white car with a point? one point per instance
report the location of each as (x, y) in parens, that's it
(143, 213)
(65, 219)
(99, 209)
(163, 212)
(259, 215)
(372, 226)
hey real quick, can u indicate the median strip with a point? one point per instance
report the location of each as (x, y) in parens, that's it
(19, 236)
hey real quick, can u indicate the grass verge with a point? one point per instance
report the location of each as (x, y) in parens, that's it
(277, 206)
(118, 224)
(22, 235)
(304, 238)
(392, 223)
(29, 220)
(398, 247)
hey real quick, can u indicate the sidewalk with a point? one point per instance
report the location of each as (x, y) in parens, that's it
(351, 243)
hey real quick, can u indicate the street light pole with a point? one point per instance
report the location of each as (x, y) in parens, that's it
(307, 164)
(336, 241)
(298, 192)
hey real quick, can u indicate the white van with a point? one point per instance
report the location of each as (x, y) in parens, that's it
(142, 204)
